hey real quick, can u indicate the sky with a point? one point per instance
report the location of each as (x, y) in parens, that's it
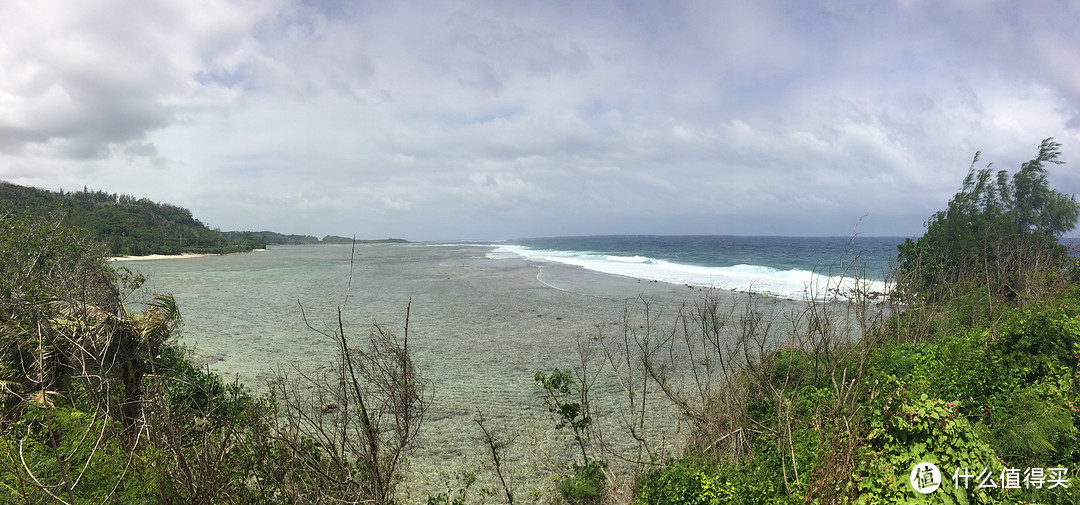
(489, 120)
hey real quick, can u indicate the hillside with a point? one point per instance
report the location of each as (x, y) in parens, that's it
(334, 239)
(274, 238)
(126, 224)
(131, 226)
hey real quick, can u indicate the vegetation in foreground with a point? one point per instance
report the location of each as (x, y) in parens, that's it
(970, 365)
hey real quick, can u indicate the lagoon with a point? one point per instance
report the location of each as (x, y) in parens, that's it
(481, 325)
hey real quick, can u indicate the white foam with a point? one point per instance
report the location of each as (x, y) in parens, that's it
(629, 259)
(795, 283)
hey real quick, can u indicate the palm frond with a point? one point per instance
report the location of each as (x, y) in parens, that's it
(8, 388)
(43, 397)
(157, 320)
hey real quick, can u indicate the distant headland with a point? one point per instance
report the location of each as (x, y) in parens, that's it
(131, 226)
(275, 238)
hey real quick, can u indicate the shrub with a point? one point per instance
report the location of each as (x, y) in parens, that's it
(73, 454)
(693, 480)
(959, 368)
(1042, 340)
(211, 437)
(906, 430)
(585, 486)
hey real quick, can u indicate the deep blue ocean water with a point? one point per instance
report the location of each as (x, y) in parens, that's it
(783, 266)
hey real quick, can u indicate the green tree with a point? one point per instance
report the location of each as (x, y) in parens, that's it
(998, 233)
(43, 266)
(72, 360)
(126, 225)
(66, 321)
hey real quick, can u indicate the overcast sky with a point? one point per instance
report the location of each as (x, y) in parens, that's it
(434, 120)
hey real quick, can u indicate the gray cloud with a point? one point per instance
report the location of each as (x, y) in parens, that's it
(494, 119)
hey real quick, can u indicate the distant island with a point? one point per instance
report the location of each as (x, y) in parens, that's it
(130, 226)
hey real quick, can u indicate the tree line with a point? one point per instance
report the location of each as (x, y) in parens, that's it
(128, 226)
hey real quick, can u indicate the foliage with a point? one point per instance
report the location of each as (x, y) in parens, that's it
(210, 437)
(697, 481)
(43, 265)
(1014, 393)
(335, 239)
(569, 401)
(273, 238)
(95, 400)
(1038, 346)
(568, 398)
(100, 470)
(74, 359)
(99, 407)
(66, 321)
(960, 368)
(125, 224)
(995, 230)
(585, 486)
(1043, 339)
(910, 429)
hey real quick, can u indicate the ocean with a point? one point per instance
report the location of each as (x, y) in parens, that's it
(779, 266)
(484, 319)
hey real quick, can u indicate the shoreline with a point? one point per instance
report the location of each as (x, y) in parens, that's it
(480, 329)
(174, 256)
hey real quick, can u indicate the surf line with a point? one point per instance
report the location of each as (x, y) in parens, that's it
(540, 271)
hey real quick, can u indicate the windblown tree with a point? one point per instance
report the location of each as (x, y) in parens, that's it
(999, 235)
(64, 321)
(43, 266)
(72, 361)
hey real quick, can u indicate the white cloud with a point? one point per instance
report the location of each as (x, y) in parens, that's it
(503, 119)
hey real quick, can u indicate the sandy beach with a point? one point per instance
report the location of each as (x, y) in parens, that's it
(170, 256)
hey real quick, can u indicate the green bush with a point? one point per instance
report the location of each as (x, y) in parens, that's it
(685, 482)
(1017, 392)
(1042, 340)
(75, 454)
(1037, 421)
(214, 435)
(694, 480)
(906, 430)
(586, 485)
(1031, 427)
(192, 392)
(960, 368)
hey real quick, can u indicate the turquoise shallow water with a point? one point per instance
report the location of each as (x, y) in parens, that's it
(480, 328)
